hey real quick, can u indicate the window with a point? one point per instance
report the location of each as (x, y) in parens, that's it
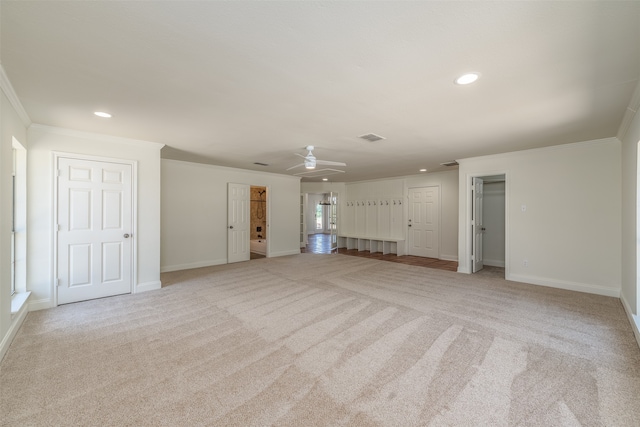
(13, 223)
(18, 223)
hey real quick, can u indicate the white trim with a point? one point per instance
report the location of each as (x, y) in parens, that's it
(563, 284)
(231, 169)
(448, 257)
(41, 304)
(17, 321)
(189, 266)
(18, 301)
(611, 140)
(464, 202)
(633, 319)
(148, 286)
(629, 114)
(56, 155)
(7, 88)
(284, 253)
(493, 262)
(96, 136)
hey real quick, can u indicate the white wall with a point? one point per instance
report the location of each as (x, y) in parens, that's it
(43, 141)
(493, 222)
(194, 213)
(570, 233)
(630, 218)
(11, 125)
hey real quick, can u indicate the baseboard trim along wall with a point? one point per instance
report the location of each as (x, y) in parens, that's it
(148, 286)
(449, 257)
(284, 253)
(633, 319)
(18, 318)
(40, 304)
(570, 286)
(189, 266)
(493, 262)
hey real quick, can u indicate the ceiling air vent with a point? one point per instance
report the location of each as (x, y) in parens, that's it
(451, 163)
(260, 164)
(371, 137)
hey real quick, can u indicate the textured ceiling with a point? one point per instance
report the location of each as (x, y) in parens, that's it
(233, 83)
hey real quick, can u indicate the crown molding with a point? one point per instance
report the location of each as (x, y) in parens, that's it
(629, 113)
(35, 127)
(7, 88)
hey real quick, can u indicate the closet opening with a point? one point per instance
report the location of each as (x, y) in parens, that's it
(488, 224)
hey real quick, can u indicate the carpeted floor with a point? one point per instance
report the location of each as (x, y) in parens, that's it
(324, 340)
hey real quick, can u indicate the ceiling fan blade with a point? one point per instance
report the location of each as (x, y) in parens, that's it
(296, 166)
(330, 163)
(298, 154)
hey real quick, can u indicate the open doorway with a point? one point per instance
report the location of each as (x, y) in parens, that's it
(258, 244)
(488, 224)
(320, 222)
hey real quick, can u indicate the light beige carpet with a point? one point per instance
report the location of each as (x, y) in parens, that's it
(315, 340)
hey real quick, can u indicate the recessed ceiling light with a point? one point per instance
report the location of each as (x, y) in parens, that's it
(325, 179)
(423, 170)
(102, 114)
(465, 79)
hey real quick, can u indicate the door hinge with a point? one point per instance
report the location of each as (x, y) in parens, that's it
(59, 173)
(57, 282)
(59, 227)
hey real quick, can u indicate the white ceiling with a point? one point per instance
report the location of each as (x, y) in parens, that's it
(233, 83)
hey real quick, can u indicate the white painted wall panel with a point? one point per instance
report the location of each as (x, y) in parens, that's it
(570, 233)
(197, 236)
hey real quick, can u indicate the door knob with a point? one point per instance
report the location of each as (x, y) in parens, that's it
(231, 226)
(126, 236)
(409, 225)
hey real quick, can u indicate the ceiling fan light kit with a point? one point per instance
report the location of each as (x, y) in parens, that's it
(310, 160)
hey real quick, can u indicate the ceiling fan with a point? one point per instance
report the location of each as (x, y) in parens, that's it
(310, 160)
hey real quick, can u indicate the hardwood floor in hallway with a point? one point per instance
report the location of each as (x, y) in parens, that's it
(321, 244)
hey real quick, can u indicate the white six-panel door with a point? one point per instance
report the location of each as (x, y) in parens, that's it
(477, 191)
(94, 242)
(239, 222)
(424, 222)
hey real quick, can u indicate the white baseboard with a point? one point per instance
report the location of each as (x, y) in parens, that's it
(40, 304)
(633, 319)
(283, 253)
(493, 262)
(189, 266)
(16, 322)
(448, 257)
(148, 286)
(562, 284)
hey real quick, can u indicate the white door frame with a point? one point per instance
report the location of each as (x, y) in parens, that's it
(477, 229)
(267, 206)
(54, 204)
(408, 214)
(465, 240)
(244, 219)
